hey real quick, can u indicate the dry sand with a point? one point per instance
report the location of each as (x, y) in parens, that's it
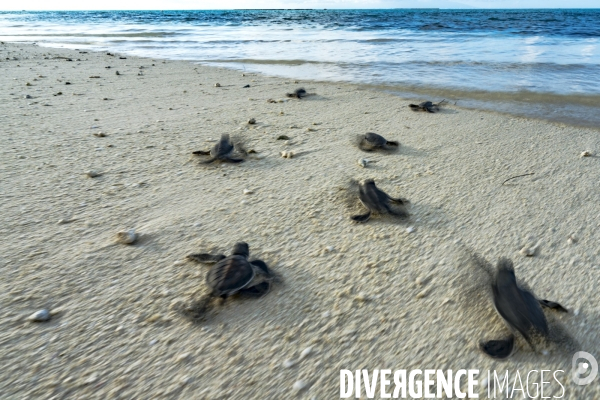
(360, 296)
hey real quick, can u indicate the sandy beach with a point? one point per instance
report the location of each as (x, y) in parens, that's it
(384, 294)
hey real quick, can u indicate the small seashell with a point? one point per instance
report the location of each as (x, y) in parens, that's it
(305, 353)
(287, 154)
(410, 229)
(248, 191)
(93, 174)
(362, 297)
(528, 251)
(217, 85)
(40, 316)
(127, 237)
(300, 385)
(100, 134)
(363, 162)
(586, 154)
(251, 121)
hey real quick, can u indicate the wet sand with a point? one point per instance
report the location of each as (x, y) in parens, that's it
(384, 294)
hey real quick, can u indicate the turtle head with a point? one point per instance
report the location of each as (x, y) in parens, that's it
(225, 137)
(505, 272)
(369, 182)
(241, 249)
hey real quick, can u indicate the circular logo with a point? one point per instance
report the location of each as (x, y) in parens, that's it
(584, 372)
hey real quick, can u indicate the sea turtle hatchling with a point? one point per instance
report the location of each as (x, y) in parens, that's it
(377, 201)
(371, 141)
(223, 151)
(297, 94)
(235, 273)
(519, 308)
(426, 106)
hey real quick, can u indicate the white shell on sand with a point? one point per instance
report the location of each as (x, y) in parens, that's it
(300, 385)
(40, 316)
(127, 237)
(362, 162)
(93, 174)
(287, 154)
(305, 353)
(248, 191)
(586, 154)
(527, 251)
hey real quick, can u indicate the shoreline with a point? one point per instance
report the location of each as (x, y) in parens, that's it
(575, 110)
(372, 295)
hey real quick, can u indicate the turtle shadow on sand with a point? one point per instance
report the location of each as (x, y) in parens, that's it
(230, 276)
(494, 295)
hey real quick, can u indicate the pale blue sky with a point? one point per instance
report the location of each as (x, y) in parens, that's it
(228, 4)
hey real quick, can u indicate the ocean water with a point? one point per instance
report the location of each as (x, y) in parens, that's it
(539, 63)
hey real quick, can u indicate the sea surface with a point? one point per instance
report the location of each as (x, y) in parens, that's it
(537, 63)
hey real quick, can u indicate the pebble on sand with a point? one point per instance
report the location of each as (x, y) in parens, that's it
(40, 316)
(586, 154)
(252, 121)
(300, 385)
(217, 85)
(305, 353)
(528, 251)
(127, 237)
(93, 174)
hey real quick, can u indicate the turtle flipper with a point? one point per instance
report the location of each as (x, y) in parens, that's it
(415, 107)
(261, 265)
(392, 143)
(201, 152)
(205, 258)
(552, 305)
(362, 217)
(233, 160)
(399, 200)
(499, 349)
(209, 161)
(258, 290)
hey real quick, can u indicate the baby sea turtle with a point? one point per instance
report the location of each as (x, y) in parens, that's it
(426, 106)
(235, 273)
(221, 151)
(371, 141)
(297, 94)
(519, 308)
(377, 201)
